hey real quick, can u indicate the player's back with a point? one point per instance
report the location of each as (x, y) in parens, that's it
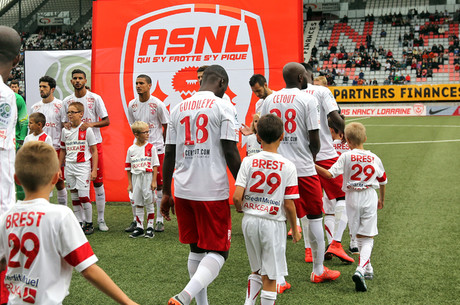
(42, 270)
(362, 169)
(327, 104)
(299, 113)
(268, 178)
(197, 126)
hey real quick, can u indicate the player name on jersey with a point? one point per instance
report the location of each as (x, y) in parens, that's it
(23, 219)
(267, 164)
(282, 98)
(196, 104)
(361, 158)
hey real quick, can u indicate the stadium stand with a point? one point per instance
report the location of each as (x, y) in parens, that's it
(369, 43)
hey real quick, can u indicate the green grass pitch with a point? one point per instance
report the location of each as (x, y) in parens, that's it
(415, 255)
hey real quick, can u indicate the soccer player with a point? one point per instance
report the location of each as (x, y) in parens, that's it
(149, 109)
(43, 250)
(21, 133)
(51, 107)
(36, 123)
(267, 177)
(362, 172)
(200, 144)
(142, 167)
(299, 112)
(79, 151)
(10, 44)
(96, 117)
(335, 221)
(260, 88)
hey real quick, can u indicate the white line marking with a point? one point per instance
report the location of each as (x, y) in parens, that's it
(383, 125)
(356, 119)
(414, 142)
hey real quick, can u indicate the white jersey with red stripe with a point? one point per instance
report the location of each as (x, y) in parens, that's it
(299, 112)
(327, 104)
(8, 117)
(154, 113)
(94, 110)
(340, 147)
(55, 115)
(43, 137)
(197, 126)
(76, 143)
(42, 243)
(268, 179)
(141, 159)
(361, 169)
(252, 146)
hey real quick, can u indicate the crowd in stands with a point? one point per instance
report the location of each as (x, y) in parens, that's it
(51, 40)
(414, 53)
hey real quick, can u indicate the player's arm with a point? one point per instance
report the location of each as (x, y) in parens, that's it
(102, 123)
(2, 264)
(93, 150)
(232, 156)
(99, 279)
(245, 130)
(337, 121)
(315, 144)
(381, 197)
(291, 216)
(167, 202)
(238, 198)
(165, 127)
(62, 154)
(323, 172)
(153, 185)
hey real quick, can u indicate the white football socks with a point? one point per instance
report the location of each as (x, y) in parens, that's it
(316, 236)
(194, 260)
(62, 196)
(267, 297)
(305, 230)
(150, 215)
(100, 202)
(340, 221)
(365, 245)
(329, 227)
(140, 217)
(205, 274)
(254, 286)
(76, 205)
(158, 202)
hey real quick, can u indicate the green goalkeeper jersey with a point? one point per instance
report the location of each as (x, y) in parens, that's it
(23, 122)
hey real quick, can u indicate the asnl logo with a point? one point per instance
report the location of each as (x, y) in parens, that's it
(171, 43)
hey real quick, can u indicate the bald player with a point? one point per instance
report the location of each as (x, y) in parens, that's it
(202, 131)
(10, 44)
(336, 218)
(301, 144)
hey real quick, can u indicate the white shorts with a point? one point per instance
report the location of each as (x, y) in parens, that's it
(266, 245)
(362, 212)
(142, 192)
(77, 175)
(7, 188)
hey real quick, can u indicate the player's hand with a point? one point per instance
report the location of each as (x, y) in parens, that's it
(93, 175)
(84, 126)
(245, 130)
(167, 203)
(153, 186)
(67, 125)
(296, 236)
(130, 188)
(380, 204)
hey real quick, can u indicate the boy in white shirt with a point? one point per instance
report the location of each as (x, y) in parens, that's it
(55, 242)
(142, 165)
(362, 173)
(266, 187)
(37, 121)
(79, 151)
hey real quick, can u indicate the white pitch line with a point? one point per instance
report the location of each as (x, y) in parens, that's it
(356, 119)
(414, 142)
(383, 125)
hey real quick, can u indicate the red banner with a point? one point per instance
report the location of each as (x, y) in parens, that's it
(168, 40)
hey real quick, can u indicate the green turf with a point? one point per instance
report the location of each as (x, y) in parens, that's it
(414, 257)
